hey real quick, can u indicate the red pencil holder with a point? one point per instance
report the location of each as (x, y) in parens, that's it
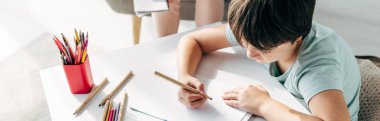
(79, 77)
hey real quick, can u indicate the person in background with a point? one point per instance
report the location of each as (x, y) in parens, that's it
(206, 12)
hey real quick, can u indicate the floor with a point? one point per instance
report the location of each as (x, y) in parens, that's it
(26, 28)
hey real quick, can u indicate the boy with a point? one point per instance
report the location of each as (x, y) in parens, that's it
(310, 60)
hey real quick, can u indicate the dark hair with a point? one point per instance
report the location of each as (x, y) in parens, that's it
(265, 24)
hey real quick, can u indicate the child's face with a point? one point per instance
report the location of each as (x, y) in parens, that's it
(282, 51)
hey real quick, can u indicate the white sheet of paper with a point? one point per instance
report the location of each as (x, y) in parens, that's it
(161, 100)
(160, 97)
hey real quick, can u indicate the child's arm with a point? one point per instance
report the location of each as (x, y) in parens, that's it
(189, 52)
(326, 106)
(193, 45)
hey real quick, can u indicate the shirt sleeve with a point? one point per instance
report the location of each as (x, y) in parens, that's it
(230, 36)
(319, 78)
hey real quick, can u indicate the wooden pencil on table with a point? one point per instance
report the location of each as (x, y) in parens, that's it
(105, 110)
(109, 111)
(90, 96)
(117, 111)
(181, 84)
(118, 87)
(123, 107)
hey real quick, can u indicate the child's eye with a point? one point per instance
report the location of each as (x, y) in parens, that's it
(265, 51)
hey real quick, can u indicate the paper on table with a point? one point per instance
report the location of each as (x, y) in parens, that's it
(143, 7)
(161, 100)
(136, 116)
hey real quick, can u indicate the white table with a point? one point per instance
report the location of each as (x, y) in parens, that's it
(144, 59)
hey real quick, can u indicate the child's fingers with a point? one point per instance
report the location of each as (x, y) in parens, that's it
(235, 90)
(189, 96)
(184, 102)
(230, 96)
(194, 104)
(184, 93)
(194, 97)
(194, 82)
(201, 88)
(233, 103)
(197, 103)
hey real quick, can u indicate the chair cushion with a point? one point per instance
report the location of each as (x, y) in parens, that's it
(370, 91)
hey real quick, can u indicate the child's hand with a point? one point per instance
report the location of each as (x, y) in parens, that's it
(249, 98)
(191, 99)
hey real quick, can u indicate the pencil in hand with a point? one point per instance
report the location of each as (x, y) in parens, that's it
(187, 87)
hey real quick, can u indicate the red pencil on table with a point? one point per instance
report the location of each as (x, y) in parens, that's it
(61, 48)
(111, 114)
(56, 41)
(79, 53)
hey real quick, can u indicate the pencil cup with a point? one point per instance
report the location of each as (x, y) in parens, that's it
(79, 77)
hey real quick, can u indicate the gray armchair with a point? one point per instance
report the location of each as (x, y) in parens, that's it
(369, 92)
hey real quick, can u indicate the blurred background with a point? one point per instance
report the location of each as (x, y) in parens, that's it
(27, 28)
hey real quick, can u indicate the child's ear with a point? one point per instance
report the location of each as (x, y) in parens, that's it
(299, 39)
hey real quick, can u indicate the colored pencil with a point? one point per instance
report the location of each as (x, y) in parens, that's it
(105, 110)
(181, 84)
(68, 46)
(91, 96)
(118, 87)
